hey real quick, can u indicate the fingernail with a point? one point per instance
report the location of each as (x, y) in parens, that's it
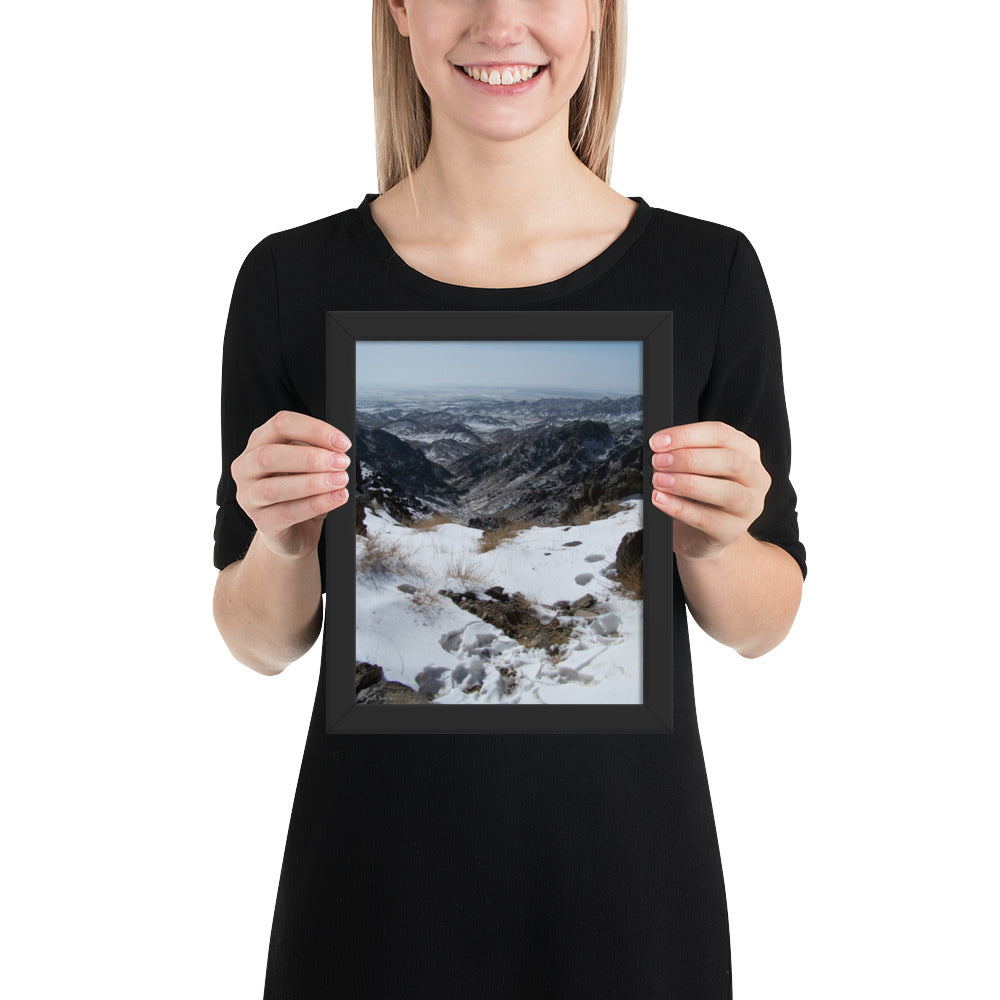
(659, 441)
(340, 441)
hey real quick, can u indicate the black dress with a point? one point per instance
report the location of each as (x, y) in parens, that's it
(506, 866)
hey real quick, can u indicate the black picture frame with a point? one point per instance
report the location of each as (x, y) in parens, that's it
(344, 713)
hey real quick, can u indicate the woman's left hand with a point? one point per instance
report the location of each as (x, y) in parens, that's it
(709, 478)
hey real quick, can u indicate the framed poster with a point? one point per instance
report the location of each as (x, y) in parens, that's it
(499, 563)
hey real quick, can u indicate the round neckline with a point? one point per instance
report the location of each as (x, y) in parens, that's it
(470, 294)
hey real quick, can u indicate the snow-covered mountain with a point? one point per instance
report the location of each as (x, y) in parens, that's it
(538, 618)
(485, 460)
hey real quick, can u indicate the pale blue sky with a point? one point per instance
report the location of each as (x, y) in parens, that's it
(611, 366)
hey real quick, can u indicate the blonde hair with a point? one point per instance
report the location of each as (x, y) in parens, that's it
(403, 110)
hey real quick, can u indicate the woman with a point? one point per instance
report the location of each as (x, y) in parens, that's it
(503, 866)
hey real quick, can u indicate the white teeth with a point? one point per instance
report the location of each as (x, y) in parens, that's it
(494, 78)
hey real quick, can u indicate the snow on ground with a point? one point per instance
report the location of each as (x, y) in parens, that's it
(454, 649)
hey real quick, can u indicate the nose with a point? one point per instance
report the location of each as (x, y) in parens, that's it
(498, 25)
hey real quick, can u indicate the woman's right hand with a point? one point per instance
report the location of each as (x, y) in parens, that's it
(291, 474)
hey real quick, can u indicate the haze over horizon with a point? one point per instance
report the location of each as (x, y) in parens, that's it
(556, 367)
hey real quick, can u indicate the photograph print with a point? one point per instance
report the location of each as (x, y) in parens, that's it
(500, 501)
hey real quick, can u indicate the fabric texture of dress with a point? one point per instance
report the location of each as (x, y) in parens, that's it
(490, 865)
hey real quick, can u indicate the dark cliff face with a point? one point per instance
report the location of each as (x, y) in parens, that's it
(534, 452)
(400, 476)
(407, 465)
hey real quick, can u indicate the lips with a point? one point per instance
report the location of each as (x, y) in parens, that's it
(510, 89)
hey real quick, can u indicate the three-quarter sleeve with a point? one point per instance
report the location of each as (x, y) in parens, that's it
(255, 385)
(745, 389)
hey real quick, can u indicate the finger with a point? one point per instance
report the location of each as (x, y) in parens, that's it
(710, 521)
(280, 516)
(280, 489)
(703, 434)
(724, 494)
(285, 459)
(290, 425)
(726, 463)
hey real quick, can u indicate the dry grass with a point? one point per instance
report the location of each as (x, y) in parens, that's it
(598, 512)
(629, 582)
(381, 555)
(491, 538)
(464, 570)
(424, 598)
(426, 523)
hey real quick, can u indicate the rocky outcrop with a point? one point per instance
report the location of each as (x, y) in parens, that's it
(372, 688)
(628, 559)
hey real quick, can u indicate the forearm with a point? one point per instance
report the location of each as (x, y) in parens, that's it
(268, 608)
(746, 597)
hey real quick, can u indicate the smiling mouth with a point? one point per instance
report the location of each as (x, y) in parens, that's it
(501, 75)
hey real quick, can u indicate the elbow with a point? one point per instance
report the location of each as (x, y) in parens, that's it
(249, 658)
(264, 669)
(761, 646)
(776, 631)
(234, 636)
(243, 654)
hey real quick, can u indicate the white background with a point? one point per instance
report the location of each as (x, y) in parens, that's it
(149, 776)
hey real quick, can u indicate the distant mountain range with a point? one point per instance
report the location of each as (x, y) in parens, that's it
(486, 460)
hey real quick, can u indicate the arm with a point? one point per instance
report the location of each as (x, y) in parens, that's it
(267, 601)
(741, 590)
(746, 597)
(725, 480)
(268, 608)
